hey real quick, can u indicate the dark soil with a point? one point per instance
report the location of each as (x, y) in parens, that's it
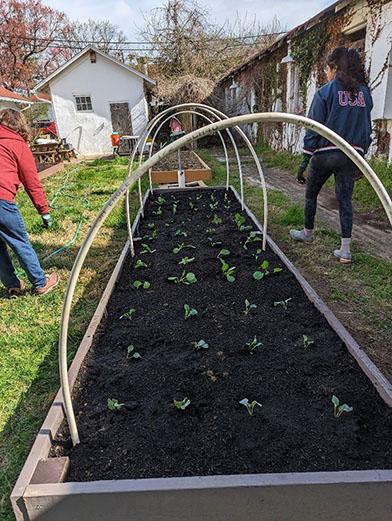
(294, 430)
(188, 161)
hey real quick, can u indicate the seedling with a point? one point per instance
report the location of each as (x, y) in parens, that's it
(226, 203)
(114, 405)
(186, 260)
(182, 404)
(252, 237)
(181, 233)
(263, 270)
(147, 249)
(240, 221)
(158, 211)
(213, 243)
(283, 303)
(228, 271)
(161, 200)
(201, 344)
(250, 406)
(174, 207)
(131, 353)
(144, 284)
(181, 247)
(223, 253)
(189, 312)
(140, 264)
(185, 278)
(128, 314)
(152, 236)
(248, 307)
(307, 341)
(257, 254)
(210, 231)
(338, 409)
(216, 220)
(151, 226)
(253, 345)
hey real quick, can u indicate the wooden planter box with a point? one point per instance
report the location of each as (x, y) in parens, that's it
(40, 493)
(192, 174)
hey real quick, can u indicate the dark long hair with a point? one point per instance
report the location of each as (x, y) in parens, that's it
(350, 69)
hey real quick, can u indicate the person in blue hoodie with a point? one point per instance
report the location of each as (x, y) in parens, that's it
(344, 105)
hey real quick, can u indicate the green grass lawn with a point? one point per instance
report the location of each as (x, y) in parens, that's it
(29, 326)
(360, 294)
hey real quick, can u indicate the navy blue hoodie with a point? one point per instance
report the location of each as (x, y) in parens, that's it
(348, 117)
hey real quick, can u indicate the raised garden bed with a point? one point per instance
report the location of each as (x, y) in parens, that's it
(194, 168)
(211, 459)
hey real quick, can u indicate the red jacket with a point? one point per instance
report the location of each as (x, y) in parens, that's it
(17, 166)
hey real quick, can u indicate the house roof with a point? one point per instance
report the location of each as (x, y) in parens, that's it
(8, 95)
(40, 97)
(87, 49)
(328, 11)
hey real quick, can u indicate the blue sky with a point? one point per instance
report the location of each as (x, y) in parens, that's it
(128, 14)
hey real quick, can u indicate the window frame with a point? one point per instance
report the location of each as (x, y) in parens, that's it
(84, 105)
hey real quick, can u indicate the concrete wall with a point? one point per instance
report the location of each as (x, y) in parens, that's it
(105, 82)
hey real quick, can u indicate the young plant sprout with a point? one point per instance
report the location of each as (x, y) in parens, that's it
(253, 345)
(252, 237)
(216, 220)
(263, 270)
(257, 254)
(161, 200)
(151, 226)
(152, 236)
(144, 284)
(140, 264)
(283, 303)
(147, 249)
(210, 231)
(223, 253)
(182, 404)
(181, 247)
(189, 312)
(227, 271)
(213, 243)
(180, 233)
(114, 405)
(200, 344)
(239, 220)
(158, 211)
(186, 260)
(128, 314)
(248, 307)
(250, 406)
(307, 341)
(131, 353)
(338, 409)
(185, 278)
(174, 207)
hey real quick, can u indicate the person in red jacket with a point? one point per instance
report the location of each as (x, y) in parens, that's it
(17, 167)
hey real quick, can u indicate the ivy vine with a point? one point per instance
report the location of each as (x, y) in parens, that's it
(305, 51)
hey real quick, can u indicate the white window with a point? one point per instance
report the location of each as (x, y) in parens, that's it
(83, 103)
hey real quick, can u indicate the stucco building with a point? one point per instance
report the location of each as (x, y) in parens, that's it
(94, 95)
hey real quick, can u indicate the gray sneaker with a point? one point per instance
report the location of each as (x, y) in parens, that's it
(344, 258)
(299, 235)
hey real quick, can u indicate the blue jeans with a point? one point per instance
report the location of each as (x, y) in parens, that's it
(322, 166)
(13, 234)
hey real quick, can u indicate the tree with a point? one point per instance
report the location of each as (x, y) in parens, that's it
(185, 42)
(105, 36)
(27, 31)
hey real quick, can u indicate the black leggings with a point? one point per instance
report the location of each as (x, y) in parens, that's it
(322, 166)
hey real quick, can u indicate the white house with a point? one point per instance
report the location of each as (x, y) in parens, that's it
(94, 95)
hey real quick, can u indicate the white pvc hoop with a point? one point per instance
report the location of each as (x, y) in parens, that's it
(277, 117)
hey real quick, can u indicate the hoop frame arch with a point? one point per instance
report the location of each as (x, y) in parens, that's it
(276, 117)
